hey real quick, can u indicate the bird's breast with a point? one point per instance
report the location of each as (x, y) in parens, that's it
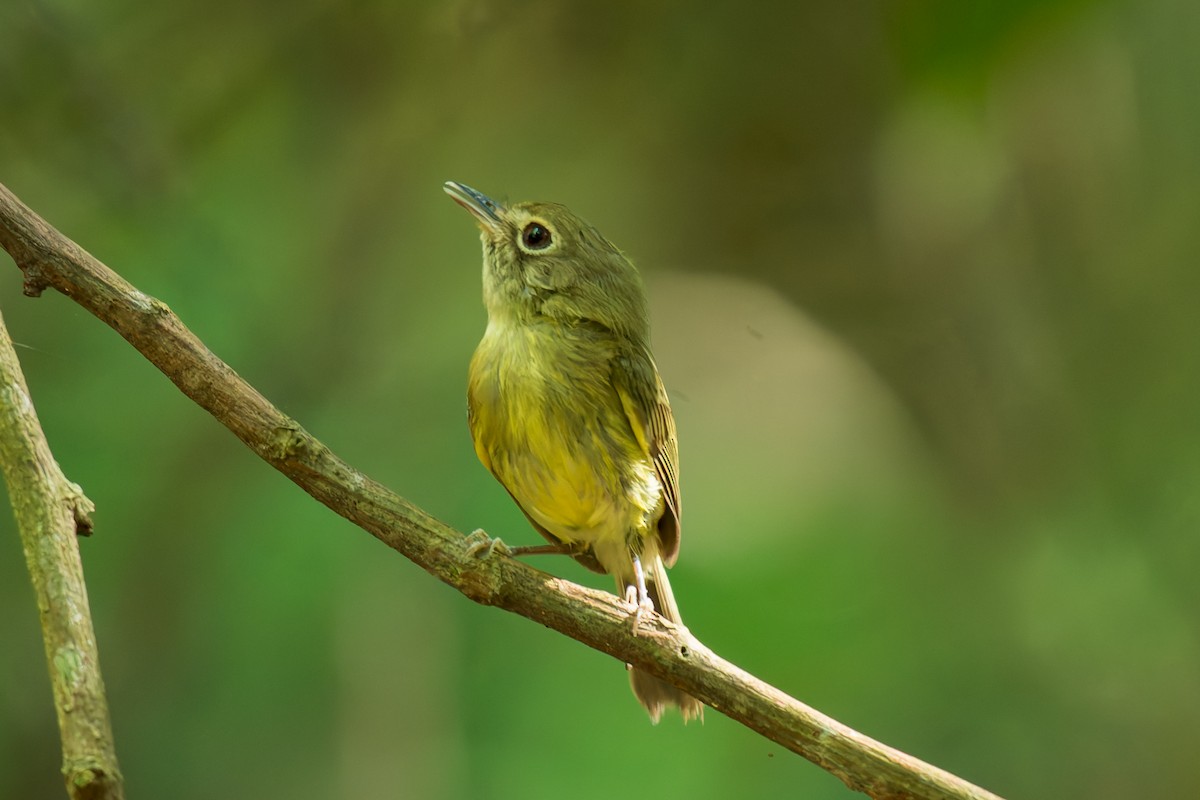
(550, 426)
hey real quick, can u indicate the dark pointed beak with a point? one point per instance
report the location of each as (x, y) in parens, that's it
(484, 208)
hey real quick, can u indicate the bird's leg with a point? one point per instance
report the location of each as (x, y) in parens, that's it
(480, 545)
(546, 550)
(638, 596)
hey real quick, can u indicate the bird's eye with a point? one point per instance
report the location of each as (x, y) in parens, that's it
(536, 236)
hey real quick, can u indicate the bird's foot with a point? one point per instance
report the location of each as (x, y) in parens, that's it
(480, 545)
(643, 606)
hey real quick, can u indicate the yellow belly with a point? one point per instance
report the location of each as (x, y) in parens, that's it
(563, 446)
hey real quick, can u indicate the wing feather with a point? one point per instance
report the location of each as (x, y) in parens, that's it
(649, 411)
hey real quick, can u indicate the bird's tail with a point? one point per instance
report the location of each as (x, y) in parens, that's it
(654, 694)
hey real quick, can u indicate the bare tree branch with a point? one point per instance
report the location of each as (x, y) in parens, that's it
(598, 619)
(51, 511)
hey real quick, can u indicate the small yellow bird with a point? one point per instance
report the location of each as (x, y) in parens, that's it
(567, 409)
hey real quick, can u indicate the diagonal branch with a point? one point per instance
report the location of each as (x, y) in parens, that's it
(597, 619)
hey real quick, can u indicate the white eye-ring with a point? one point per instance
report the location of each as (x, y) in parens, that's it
(536, 237)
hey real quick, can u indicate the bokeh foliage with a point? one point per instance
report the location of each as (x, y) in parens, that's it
(923, 280)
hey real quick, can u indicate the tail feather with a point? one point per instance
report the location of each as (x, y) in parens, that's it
(654, 694)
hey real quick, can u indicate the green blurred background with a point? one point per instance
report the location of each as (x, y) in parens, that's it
(923, 279)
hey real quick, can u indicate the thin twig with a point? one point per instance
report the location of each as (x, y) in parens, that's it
(598, 619)
(51, 512)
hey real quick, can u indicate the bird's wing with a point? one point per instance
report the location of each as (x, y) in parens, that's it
(649, 411)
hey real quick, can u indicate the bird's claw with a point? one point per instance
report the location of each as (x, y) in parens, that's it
(480, 545)
(642, 608)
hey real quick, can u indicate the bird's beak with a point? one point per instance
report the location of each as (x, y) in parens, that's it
(486, 210)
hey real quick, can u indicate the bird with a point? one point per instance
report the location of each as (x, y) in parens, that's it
(567, 410)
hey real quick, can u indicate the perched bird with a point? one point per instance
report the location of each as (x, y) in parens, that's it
(567, 409)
